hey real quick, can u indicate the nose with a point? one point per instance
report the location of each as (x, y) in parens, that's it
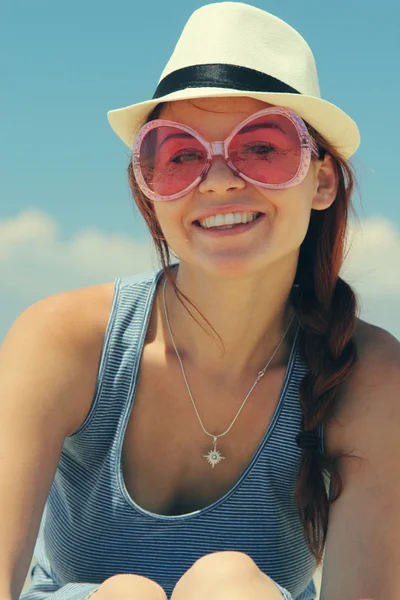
(220, 178)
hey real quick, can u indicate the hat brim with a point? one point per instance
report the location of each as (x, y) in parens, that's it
(326, 118)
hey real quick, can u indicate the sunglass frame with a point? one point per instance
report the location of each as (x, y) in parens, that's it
(307, 144)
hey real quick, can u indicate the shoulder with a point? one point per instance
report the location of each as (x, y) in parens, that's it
(373, 342)
(378, 359)
(76, 316)
(81, 315)
(370, 393)
(67, 330)
(77, 320)
(364, 521)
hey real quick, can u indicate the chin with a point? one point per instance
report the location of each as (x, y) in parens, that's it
(231, 267)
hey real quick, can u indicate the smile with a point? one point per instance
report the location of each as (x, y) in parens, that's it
(231, 228)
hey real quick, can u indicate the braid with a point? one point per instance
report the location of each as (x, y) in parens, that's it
(326, 308)
(329, 353)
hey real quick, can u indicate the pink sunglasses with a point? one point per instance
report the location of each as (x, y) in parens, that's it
(272, 149)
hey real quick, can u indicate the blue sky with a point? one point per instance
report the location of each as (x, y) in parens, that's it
(65, 64)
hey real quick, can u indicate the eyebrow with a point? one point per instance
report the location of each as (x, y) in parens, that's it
(253, 126)
(245, 129)
(183, 134)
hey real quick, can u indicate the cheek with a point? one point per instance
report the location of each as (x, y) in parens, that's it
(290, 212)
(164, 213)
(291, 206)
(170, 218)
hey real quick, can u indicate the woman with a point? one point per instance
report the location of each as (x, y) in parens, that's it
(204, 418)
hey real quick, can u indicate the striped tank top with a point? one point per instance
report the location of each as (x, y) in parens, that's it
(91, 528)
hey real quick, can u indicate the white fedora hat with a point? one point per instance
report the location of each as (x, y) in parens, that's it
(234, 49)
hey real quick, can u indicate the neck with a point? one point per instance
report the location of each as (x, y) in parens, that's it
(250, 314)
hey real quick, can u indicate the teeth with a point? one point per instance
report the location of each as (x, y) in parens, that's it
(227, 219)
(220, 220)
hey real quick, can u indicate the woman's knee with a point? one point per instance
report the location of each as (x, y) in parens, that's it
(215, 569)
(127, 586)
(224, 564)
(225, 575)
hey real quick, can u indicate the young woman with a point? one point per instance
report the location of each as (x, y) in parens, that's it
(217, 427)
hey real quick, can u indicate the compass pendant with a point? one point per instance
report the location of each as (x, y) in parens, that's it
(214, 456)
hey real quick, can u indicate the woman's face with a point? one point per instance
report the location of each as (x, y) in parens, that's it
(273, 238)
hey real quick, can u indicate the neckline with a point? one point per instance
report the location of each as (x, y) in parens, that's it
(287, 381)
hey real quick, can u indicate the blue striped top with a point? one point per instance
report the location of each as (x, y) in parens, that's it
(91, 528)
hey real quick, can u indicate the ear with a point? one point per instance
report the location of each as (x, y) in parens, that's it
(326, 184)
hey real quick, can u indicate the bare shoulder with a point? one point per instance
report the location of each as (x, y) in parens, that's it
(364, 522)
(373, 340)
(378, 355)
(369, 394)
(77, 319)
(80, 315)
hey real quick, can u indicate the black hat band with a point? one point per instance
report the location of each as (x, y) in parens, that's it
(221, 76)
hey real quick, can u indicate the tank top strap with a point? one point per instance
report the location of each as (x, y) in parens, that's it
(119, 361)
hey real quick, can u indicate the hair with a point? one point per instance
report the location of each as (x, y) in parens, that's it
(326, 308)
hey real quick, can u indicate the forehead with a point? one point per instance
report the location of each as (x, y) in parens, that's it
(212, 117)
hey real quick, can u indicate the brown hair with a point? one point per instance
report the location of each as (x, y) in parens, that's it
(326, 309)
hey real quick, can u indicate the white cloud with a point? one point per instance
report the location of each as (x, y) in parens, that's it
(372, 267)
(373, 263)
(35, 262)
(32, 255)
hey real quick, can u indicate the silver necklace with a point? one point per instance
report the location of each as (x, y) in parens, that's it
(214, 456)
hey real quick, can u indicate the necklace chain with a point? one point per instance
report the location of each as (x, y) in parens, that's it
(214, 457)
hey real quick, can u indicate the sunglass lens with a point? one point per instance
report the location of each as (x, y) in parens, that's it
(171, 159)
(267, 149)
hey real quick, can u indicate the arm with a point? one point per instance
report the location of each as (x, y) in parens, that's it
(362, 556)
(45, 588)
(39, 374)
